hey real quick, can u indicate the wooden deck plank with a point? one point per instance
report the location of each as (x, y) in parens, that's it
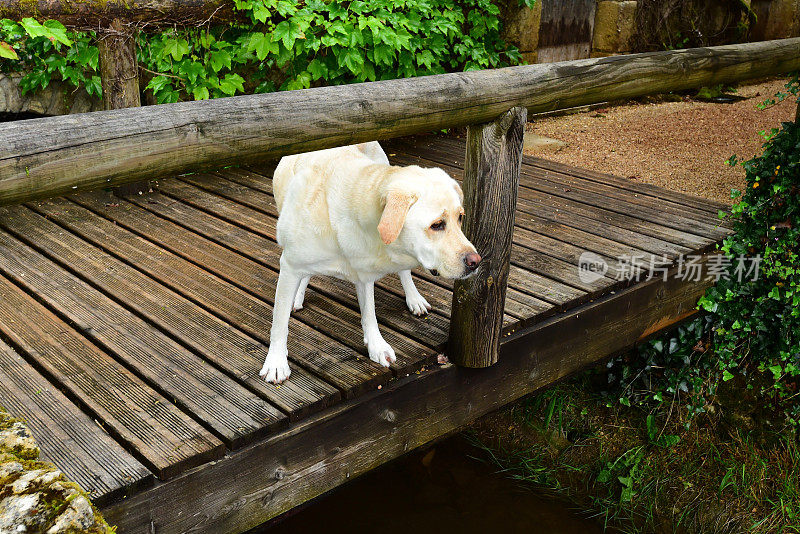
(709, 205)
(157, 432)
(66, 436)
(518, 305)
(225, 407)
(238, 355)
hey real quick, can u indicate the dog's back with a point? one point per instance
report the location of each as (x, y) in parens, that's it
(289, 166)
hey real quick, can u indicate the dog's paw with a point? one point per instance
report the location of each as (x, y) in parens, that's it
(276, 367)
(381, 352)
(298, 302)
(417, 304)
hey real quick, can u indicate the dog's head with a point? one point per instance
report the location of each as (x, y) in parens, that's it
(422, 215)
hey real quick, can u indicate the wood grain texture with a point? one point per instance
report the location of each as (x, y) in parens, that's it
(271, 477)
(221, 345)
(149, 15)
(491, 180)
(152, 428)
(220, 403)
(66, 436)
(52, 156)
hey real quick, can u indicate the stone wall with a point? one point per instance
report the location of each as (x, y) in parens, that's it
(55, 99)
(615, 25)
(35, 498)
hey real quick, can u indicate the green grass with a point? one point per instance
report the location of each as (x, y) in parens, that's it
(643, 471)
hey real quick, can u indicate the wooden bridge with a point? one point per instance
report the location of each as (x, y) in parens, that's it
(132, 329)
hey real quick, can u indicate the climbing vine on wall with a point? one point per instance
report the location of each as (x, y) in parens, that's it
(286, 45)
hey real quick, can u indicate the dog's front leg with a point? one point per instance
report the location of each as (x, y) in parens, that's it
(276, 365)
(379, 349)
(414, 300)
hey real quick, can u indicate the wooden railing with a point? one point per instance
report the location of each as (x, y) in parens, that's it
(58, 155)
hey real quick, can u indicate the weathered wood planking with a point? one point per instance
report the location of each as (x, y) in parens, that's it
(276, 475)
(218, 343)
(46, 157)
(147, 15)
(157, 432)
(67, 436)
(224, 406)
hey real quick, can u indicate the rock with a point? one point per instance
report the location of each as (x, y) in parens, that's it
(56, 99)
(34, 495)
(537, 143)
(9, 471)
(78, 516)
(17, 439)
(521, 27)
(20, 511)
(614, 25)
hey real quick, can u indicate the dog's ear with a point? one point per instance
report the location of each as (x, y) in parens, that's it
(459, 191)
(394, 214)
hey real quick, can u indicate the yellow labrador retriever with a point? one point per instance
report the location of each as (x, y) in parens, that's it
(346, 212)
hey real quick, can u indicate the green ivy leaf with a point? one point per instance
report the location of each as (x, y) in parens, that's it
(177, 48)
(158, 83)
(200, 93)
(7, 51)
(231, 83)
(220, 59)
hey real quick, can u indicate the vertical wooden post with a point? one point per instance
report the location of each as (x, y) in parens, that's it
(119, 78)
(491, 179)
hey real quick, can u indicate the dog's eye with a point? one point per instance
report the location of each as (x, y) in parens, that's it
(438, 225)
(460, 218)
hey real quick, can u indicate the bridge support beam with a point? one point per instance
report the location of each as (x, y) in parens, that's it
(491, 180)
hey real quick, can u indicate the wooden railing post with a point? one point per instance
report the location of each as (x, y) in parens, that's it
(491, 179)
(119, 78)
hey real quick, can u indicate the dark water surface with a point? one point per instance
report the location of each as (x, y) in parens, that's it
(436, 491)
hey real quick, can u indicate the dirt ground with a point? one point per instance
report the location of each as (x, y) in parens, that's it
(679, 145)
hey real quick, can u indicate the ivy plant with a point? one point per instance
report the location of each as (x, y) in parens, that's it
(283, 45)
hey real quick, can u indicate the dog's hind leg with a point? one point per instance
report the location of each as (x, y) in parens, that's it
(379, 350)
(301, 294)
(414, 300)
(276, 365)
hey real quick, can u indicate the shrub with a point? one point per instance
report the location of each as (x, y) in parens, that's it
(286, 45)
(757, 322)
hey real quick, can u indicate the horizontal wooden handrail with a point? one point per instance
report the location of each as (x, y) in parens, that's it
(56, 155)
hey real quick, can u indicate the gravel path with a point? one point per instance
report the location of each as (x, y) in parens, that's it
(678, 145)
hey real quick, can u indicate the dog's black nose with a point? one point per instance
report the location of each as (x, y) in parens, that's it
(471, 260)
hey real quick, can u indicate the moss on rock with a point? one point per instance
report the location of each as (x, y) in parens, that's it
(35, 497)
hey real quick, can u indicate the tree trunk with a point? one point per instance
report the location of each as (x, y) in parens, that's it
(491, 179)
(119, 77)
